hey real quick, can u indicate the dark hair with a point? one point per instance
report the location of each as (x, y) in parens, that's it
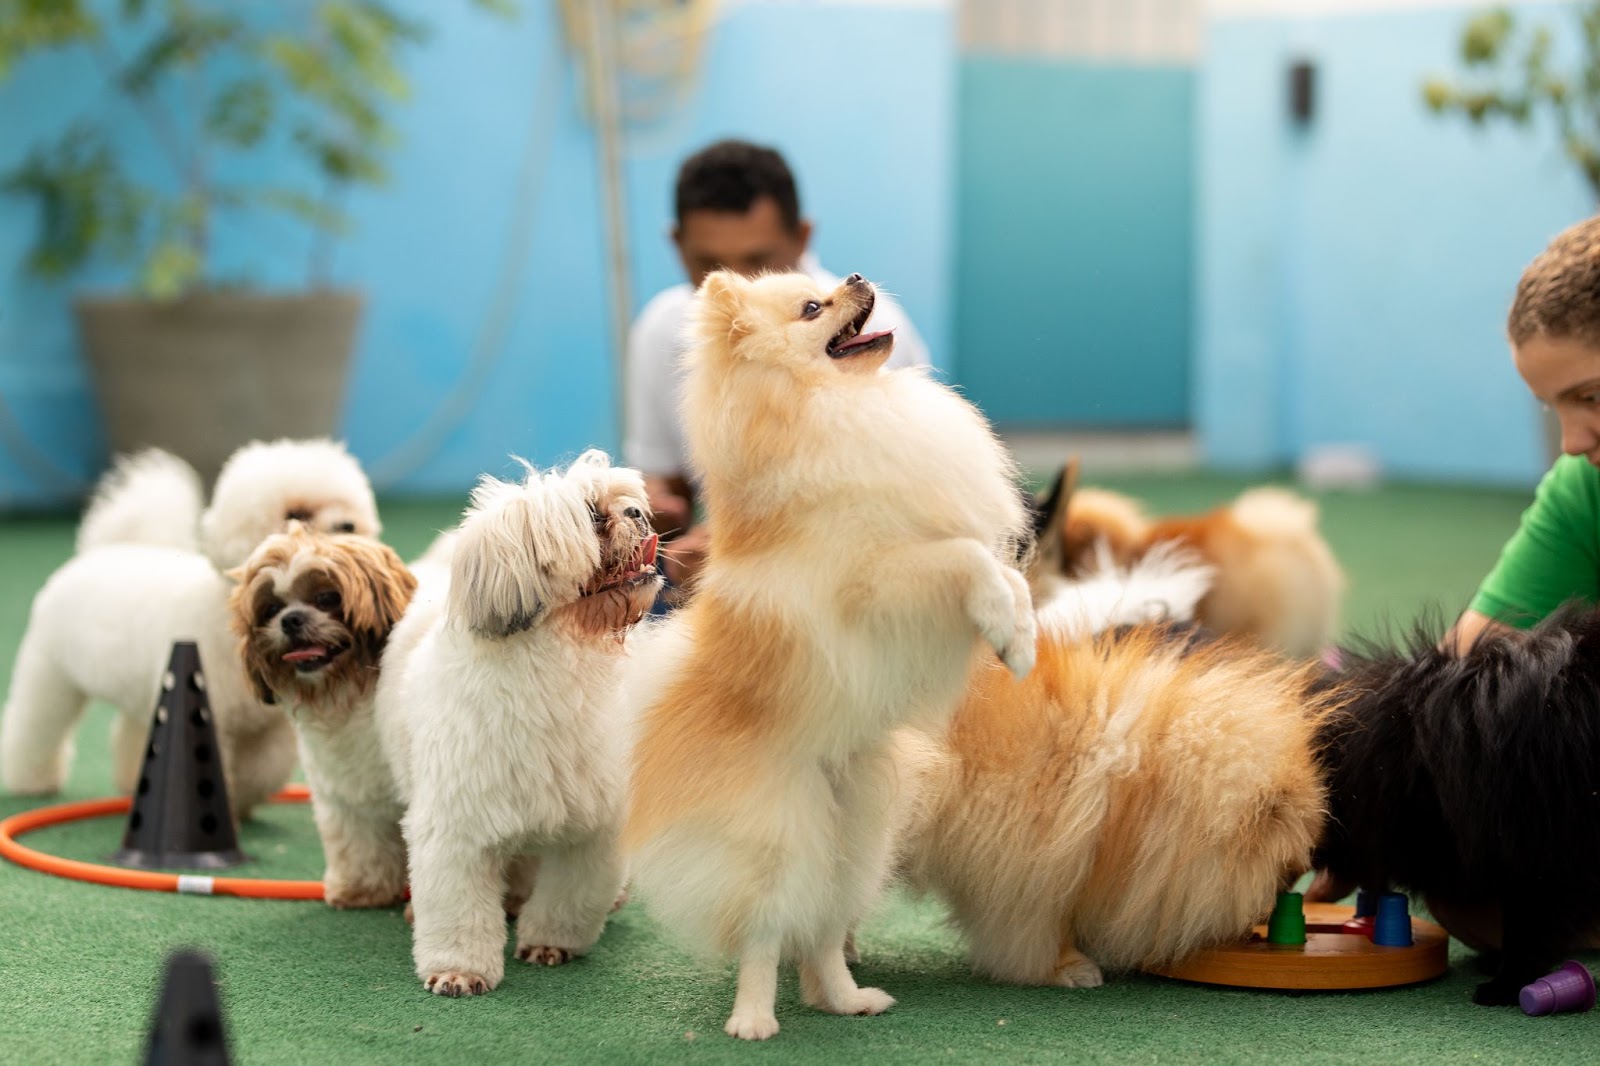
(733, 175)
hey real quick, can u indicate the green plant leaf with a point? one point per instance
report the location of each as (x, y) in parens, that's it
(504, 8)
(241, 113)
(83, 200)
(173, 267)
(185, 41)
(30, 25)
(1485, 36)
(341, 161)
(307, 209)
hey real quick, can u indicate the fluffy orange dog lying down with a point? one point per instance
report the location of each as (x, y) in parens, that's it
(1136, 798)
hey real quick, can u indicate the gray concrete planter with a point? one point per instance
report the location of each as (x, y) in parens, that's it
(203, 374)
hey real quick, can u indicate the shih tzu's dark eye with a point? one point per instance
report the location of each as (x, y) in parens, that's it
(596, 515)
(811, 310)
(327, 601)
(345, 527)
(267, 612)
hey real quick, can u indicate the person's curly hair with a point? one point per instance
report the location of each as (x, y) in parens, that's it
(1559, 294)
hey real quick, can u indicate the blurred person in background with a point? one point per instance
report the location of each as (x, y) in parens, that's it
(735, 208)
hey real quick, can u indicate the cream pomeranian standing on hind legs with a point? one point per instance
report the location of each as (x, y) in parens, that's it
(860, 520)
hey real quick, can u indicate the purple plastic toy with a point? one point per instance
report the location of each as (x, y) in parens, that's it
(1570, 988)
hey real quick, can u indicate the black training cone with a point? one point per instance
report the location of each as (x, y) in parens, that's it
(180, 812)
(187, 1030)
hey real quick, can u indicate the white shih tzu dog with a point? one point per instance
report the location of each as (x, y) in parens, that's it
(313, 613)
(103, 625)
(501, 711)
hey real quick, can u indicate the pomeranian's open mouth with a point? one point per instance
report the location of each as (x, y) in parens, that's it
(308, 658)
(851, 341)
(635, 570)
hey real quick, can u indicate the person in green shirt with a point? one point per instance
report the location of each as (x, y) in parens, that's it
(1554, 329)
(1554, 556)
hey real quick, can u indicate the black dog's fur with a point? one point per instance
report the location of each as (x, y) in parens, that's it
(1476, 780)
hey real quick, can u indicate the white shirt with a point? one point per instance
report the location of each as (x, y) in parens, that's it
(655, 343)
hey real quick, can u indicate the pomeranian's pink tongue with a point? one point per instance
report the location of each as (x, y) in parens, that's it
(302, 655)
(862, 338)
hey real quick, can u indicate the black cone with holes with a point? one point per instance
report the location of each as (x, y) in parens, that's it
(180, 816)
(187, 1030)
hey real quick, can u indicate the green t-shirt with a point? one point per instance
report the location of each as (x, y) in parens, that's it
(1554, 555)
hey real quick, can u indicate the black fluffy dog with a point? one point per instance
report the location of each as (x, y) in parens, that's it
(1476, 780)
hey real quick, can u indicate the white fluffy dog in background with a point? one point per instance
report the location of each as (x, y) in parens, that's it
(103, 625)
(501, 711)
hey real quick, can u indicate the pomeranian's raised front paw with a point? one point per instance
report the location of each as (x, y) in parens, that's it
(752, 1026)
(456, 983)
(1002, 610)
(1496, 993)
(542, 955)
(1020, 645)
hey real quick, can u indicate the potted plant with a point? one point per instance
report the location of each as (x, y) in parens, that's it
(190, 359)
(1511, 78)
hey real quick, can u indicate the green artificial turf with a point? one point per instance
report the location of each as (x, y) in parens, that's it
(79, 964)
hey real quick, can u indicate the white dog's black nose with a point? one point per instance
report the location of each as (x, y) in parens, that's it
(633, 513)
(855, 279)
(293, 622)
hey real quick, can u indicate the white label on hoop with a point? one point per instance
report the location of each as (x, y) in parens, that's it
(195, 884)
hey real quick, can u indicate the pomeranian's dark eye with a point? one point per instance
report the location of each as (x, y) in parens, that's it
(327, 601)
(267, 612)
(811, 310)
(345, 527)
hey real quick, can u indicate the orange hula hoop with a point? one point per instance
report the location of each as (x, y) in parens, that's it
(116, 876)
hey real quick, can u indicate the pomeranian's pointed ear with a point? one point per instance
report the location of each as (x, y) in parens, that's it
(721, 298)
(1051, 551)
(1050, 507)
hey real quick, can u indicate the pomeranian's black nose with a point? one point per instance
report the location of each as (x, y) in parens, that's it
(293, 622)
(855, 279)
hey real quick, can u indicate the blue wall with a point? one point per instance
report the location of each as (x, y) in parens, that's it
(495, 111)
(1074, 263)
(1353, 277)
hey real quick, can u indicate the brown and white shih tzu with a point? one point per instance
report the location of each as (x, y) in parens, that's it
(313, 613)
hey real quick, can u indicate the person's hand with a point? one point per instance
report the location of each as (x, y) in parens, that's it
(684, 556)
(670, 510)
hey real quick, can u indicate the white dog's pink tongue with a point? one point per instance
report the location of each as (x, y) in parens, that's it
(648, 551)
(303, 655)
(862, 338)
